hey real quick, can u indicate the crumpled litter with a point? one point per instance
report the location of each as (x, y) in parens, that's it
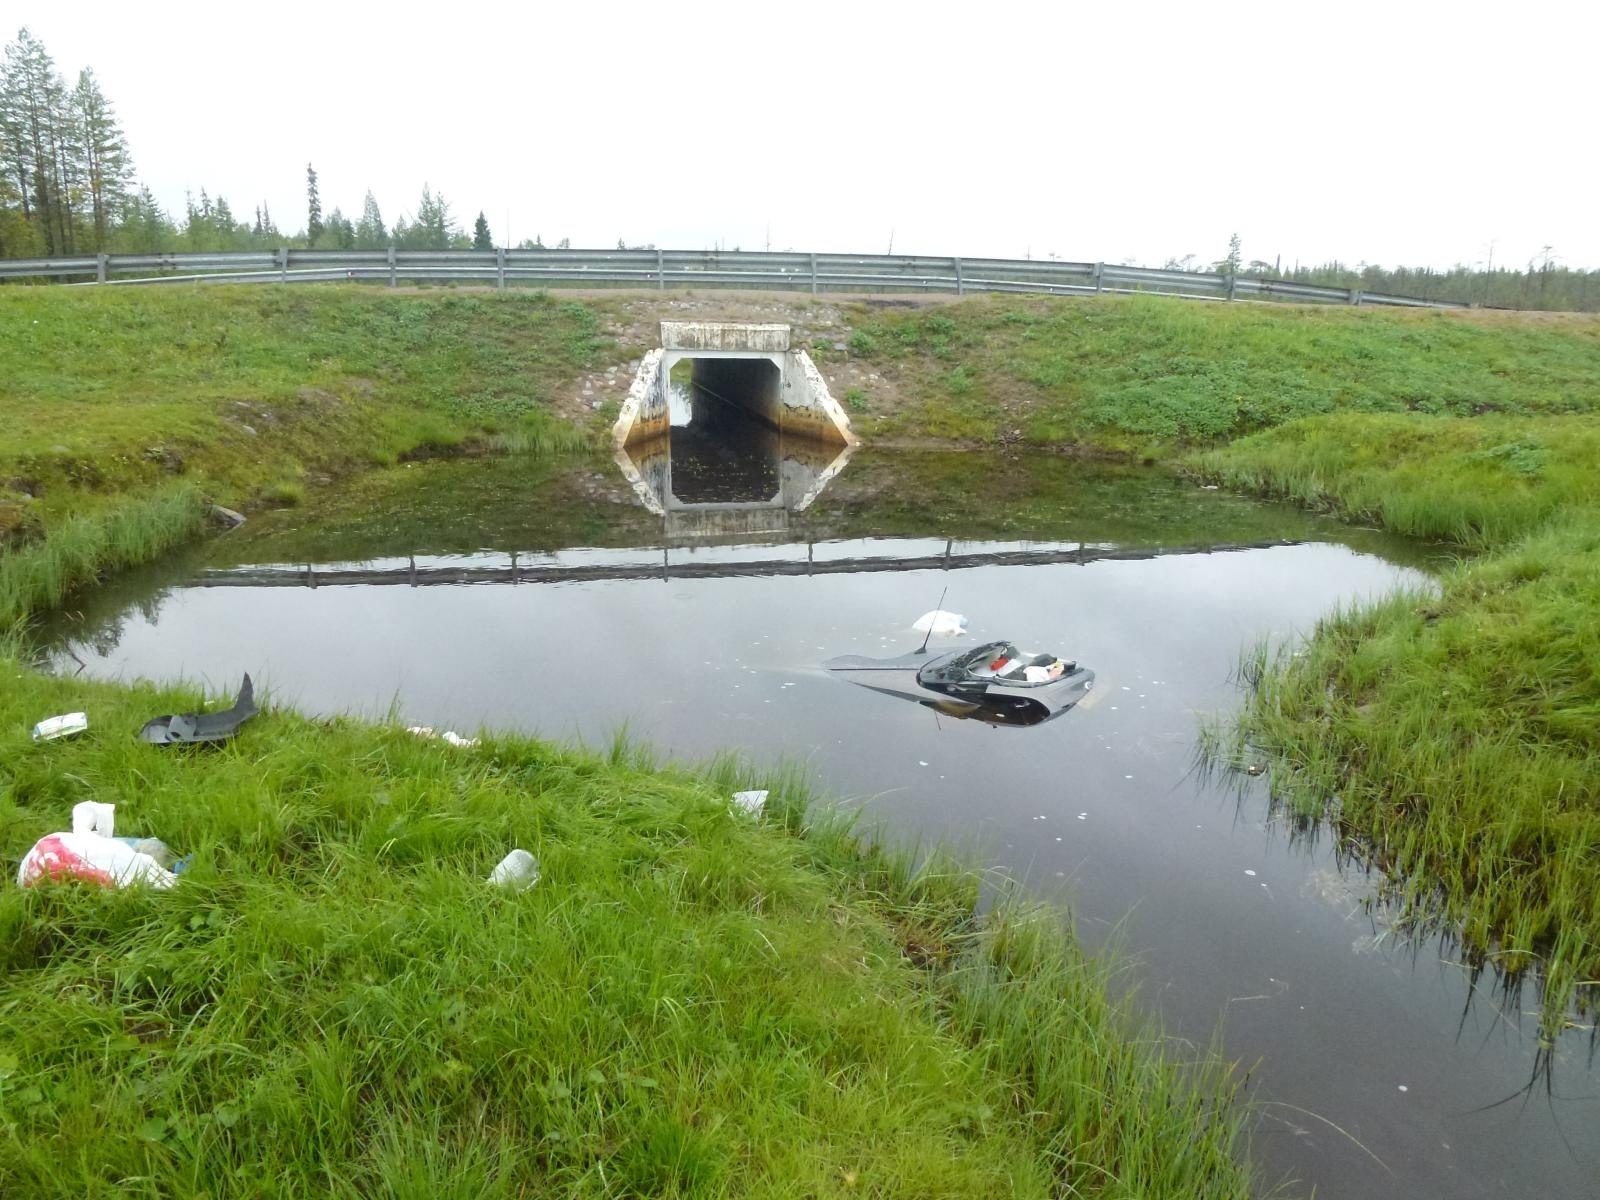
(449, 735)
(92, 854)
(941, 623)
(517, 871)
(750, 802)
(66, 725)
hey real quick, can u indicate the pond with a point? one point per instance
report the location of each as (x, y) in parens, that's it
(548, 597)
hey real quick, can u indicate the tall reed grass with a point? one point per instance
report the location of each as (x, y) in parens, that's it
(83, 549)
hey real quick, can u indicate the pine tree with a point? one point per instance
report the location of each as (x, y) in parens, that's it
(313, 207)
(107, 168)
(480, 234)
(1230, 266)
(340, 233)
(144, 227)
(370, 231)
(32, 112)
(431, 229)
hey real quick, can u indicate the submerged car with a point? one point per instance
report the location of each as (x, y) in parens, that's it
(995, 682)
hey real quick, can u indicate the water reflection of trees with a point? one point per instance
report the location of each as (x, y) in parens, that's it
(96, 621)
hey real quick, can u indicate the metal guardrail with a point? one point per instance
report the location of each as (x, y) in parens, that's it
(759, 270)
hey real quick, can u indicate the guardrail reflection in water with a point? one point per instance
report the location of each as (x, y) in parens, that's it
(866, 557)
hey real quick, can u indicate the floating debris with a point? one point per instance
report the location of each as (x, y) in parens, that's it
(941, 624)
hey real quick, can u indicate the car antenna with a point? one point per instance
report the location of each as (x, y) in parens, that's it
(923, 649)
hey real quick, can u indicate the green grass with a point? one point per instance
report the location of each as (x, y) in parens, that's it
(690, 1002)
(1140, 374)
(1478, 482)
(113, 397)
(1455, 737)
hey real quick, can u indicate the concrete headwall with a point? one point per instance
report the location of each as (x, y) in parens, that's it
(809, 408)
(645, 412)
(725, 336)
(800, 404)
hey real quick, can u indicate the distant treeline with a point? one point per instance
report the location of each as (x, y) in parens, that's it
(67, 186)
(1541, 285)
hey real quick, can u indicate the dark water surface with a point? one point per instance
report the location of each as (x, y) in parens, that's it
(544, 598)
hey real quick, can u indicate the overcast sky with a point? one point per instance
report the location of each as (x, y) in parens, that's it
(1398, 132)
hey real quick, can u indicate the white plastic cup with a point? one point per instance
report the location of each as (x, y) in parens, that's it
(518, 871)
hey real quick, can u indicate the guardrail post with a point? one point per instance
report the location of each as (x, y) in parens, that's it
(961, 285)
(100, 263)
(391, 267)
(1232, 281)
(1099, 277)
(1355, 295)
(661, 269)
(813, 274)
(500, 268)
(283, 263)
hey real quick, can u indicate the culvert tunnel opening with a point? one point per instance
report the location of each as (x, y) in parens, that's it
(726, 436)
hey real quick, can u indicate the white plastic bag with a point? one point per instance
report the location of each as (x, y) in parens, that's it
(941, 624)
(750, 803)
(92, 854)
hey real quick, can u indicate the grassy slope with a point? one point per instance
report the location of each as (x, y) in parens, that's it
(1141, 373)
(1459, 733)
(144, 402)
(690, 1002)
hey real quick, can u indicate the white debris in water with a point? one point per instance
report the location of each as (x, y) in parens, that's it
(1127, 776)
(1249, 872)
(750, 802)
(921, 763)
(942, 623)
(449, 735)
(1403, 1087)
(1081, 817)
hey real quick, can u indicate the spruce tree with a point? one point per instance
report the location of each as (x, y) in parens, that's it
(313, 207)
(370, 231)
(480, 234)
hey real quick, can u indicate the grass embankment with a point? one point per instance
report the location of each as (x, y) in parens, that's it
(1143, 375)
(690, 1002)
(1456, 736)
(123, 410)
